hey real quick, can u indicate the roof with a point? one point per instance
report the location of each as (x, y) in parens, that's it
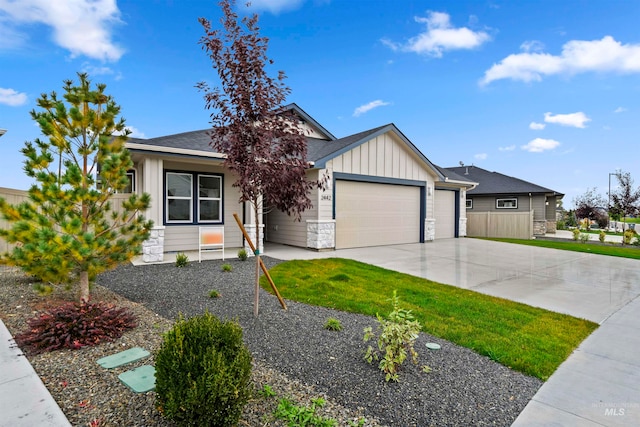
(497, 183)
(451, 176)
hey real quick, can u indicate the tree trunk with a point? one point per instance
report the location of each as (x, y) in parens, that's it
(84, 286)
(257, 255)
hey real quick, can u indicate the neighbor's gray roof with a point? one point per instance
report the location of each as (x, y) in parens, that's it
(497, 183)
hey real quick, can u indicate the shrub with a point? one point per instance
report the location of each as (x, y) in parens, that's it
(214, 294)
(601, 236)
(227, 268)
(561, 225)
(242, 254)
(75, 325)
(583, 237)
(333, 324)
(576, 233)
(628, 236)
(397, 336)
(182, 260)
(203, 372)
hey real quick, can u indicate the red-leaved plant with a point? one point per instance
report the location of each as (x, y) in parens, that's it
(75, 325)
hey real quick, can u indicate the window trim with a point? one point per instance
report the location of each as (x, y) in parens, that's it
(468, 203)
(194, 205)
(219, 198)
(515, 200)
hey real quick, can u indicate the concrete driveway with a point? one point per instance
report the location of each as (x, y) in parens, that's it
(583, 285)
(599, 384)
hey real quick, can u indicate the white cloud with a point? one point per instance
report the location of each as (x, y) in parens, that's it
(370, 106)
(275, 6)
(578, 56)
(532, 46)
(577, 120)
(93, 70)
(12, 98)
(135, 133)
(440, 36)
(537, 126)
(620, 110)
(507, 148)
(539, 145)
(480, 156)
(81, 26)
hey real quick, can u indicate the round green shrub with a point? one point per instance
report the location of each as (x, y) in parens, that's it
(203, 372)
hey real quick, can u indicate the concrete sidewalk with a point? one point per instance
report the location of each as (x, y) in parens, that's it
(24, 400)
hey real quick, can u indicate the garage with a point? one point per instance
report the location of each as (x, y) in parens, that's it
(445, 214)
(373, 214)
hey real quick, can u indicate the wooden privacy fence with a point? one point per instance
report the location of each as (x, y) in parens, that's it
(514, 225)
(18, 196)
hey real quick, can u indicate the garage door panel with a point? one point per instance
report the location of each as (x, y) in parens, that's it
(445, 212)
(369, 214)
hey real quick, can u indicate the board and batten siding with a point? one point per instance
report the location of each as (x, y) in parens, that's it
(282, 228)
(384, 156)
(178, 237)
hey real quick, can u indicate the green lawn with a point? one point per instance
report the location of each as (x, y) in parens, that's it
(524, 338)
(618, 250)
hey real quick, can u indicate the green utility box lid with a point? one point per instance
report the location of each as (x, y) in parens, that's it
(122, 358)
(141, 379)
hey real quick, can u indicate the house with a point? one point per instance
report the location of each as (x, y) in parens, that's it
(381, 191)
(504, 206)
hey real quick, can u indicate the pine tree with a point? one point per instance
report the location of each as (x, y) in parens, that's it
(66, 231)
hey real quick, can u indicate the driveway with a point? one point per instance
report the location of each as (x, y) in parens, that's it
(588, 286)
(599, 384)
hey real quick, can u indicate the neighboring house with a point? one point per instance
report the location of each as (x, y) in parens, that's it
(500, 205)
(381, 190)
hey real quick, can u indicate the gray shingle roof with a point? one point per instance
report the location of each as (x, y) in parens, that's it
(497, 183)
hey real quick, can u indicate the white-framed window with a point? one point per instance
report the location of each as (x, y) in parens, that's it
(209, 198)
(469, 203)
(179, 194)
(128, 189)
(131, 186)
(510, 203)
(193, 198)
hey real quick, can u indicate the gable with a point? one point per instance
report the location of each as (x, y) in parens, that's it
(385, 155)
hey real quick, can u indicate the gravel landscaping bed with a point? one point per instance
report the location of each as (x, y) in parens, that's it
(292, 353)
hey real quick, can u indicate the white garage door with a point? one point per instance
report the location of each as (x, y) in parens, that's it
(370, 214)
(445, 214)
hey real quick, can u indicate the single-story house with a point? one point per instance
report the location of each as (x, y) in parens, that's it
(504, 201)
(381, 191)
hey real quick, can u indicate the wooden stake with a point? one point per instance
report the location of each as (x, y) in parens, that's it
(264, 267)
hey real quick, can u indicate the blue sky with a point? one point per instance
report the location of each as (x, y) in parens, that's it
(546, 91)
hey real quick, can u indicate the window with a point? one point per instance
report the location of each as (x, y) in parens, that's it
(507, 203)
(469, 203)
(210, 198)
(128, 189)
(193, 198)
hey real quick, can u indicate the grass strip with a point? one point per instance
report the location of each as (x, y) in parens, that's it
(524, 338)
(613, 249)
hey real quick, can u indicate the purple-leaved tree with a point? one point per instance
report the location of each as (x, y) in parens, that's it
(263, 144)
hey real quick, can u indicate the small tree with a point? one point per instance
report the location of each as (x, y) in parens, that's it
(262, 143)
(589, 204)
(625, 201)
(66, 231)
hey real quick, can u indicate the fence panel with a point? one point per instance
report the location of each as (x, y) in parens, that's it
(514, 225)
(17, 196)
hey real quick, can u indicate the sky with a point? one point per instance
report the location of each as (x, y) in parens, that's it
(544, 91)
